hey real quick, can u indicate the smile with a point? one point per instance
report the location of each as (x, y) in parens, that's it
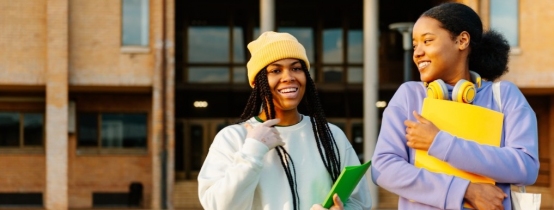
(423, 64)
(288, 90)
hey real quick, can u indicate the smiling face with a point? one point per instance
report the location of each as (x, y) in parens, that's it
(287, 82)
(436, 54)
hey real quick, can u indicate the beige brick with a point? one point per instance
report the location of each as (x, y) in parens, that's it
(23, 41)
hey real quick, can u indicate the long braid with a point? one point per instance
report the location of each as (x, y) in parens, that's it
(326, 144)
(323, 135)
(291, 175)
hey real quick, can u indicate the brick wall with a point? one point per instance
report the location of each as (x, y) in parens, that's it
(106, 173)
(532, 67)
(109, 171)
(95, 47)
(95, 60)
(22, 173)
(23, 42)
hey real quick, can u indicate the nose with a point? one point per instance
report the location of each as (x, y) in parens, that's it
(287, 76)
(418, 52)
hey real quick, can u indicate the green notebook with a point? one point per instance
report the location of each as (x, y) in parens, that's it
(346, 183)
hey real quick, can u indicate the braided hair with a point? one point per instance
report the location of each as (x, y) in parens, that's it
(326, 144)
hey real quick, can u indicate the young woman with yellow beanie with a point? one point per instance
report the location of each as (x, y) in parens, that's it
(277, 158)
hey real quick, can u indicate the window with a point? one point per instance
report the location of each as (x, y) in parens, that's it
(216, 53)
(355, 56)
(341, 50)
(21, 130)
(504, 19)
(332, 54)
(135, 21)
(332, 45)
(112, 130)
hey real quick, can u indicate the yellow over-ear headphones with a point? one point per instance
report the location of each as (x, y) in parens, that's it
(464, 91)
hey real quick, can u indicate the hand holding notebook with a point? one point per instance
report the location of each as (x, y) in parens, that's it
(464, 121)
(346, 183)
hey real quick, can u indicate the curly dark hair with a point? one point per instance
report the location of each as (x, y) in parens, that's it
(489, 50)
(261, 97)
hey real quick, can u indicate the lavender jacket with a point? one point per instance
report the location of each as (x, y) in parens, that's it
(516, 161)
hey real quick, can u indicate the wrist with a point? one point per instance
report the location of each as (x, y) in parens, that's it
(469, 195)
(254, 148)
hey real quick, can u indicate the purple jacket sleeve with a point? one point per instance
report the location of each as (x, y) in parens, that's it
(392, 166)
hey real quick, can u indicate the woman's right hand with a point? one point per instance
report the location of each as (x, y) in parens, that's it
(337, 204)
(484, 196)
(265, 133)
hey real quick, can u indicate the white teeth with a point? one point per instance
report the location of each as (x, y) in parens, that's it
(288, 90)
(423, 64)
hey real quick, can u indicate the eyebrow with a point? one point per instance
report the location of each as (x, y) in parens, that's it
(424, 34)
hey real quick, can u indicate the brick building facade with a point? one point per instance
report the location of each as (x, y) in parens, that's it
(64, 61)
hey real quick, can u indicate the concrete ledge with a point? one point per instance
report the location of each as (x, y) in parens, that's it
(135, 49)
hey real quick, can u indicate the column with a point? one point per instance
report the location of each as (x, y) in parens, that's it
(56, 144)
(267, 16)
(159, 164)
(169, 100)
(371, 85)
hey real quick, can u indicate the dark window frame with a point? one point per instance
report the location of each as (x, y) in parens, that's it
(21, 144)
(99, 149)
(230, 64)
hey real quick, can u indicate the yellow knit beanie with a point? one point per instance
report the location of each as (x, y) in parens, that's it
(270, 47)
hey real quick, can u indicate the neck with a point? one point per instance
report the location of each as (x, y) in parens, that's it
(287, 118)
(455, 77)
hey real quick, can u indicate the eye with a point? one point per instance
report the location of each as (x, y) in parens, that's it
(274, 71)
(296, 68)
(427, 41)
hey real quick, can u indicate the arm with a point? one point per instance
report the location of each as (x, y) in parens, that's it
(392, 169)
(517, 162)
(230, 168)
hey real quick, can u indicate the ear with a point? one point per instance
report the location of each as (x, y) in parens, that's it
(462, 41)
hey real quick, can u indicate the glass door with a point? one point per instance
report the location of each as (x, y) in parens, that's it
(196, 136)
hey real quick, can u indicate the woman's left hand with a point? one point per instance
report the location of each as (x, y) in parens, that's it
(337, 206)
(420, 134)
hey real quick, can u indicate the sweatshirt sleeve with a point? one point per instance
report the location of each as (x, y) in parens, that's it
(391, 167)
(516, 162)
(360, 199)
(231, 170)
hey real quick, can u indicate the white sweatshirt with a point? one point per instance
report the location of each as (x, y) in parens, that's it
(241, 173)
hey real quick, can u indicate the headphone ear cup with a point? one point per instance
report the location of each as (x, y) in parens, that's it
(437, 90)
(464, 92)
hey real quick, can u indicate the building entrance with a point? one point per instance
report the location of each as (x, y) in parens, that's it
(193, 140)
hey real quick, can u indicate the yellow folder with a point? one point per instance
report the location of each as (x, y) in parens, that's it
(466, 121)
